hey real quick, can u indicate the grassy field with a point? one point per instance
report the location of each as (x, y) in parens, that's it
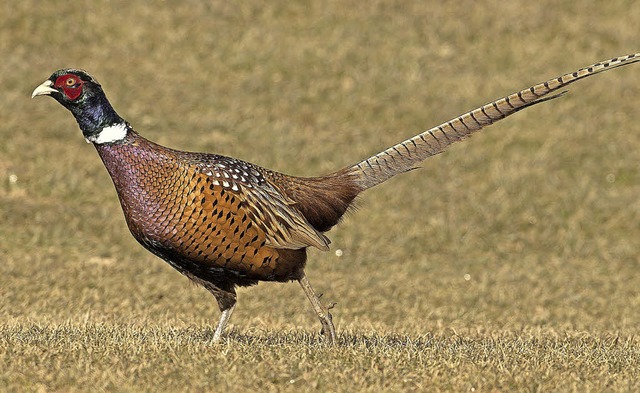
(508, 263)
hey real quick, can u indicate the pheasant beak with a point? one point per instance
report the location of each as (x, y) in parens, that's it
(44, 89)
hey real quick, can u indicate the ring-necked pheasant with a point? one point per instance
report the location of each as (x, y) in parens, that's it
(225, 223)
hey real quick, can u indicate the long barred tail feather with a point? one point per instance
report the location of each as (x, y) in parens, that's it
(409, 154)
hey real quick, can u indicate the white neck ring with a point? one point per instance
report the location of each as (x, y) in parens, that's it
(109, 134)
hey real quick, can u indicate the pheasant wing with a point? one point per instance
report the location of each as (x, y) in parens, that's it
(266, 206)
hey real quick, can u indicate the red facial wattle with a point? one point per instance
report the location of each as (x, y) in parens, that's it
(70, 84)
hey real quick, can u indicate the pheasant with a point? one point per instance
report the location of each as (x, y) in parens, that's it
(223, 222)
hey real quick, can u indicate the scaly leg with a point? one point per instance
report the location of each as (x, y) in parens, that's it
(328, 330)
(224, 319)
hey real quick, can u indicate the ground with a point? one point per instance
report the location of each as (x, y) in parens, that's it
(507, 263)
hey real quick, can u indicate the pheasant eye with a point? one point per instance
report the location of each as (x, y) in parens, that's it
(71, 82)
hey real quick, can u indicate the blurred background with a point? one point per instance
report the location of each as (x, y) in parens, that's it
(531, 224)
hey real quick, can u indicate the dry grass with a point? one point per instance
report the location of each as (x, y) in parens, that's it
(508, 263)
(121, 357)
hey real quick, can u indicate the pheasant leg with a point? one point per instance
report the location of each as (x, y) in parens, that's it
(224, 319)
(328, 330)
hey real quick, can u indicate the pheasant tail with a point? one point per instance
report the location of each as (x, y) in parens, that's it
(407, 155)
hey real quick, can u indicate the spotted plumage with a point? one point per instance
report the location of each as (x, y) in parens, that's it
(224, 222)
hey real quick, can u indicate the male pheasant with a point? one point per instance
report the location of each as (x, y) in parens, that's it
(224, 222)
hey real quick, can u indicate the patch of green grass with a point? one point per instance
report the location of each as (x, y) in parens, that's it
(508, 263)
